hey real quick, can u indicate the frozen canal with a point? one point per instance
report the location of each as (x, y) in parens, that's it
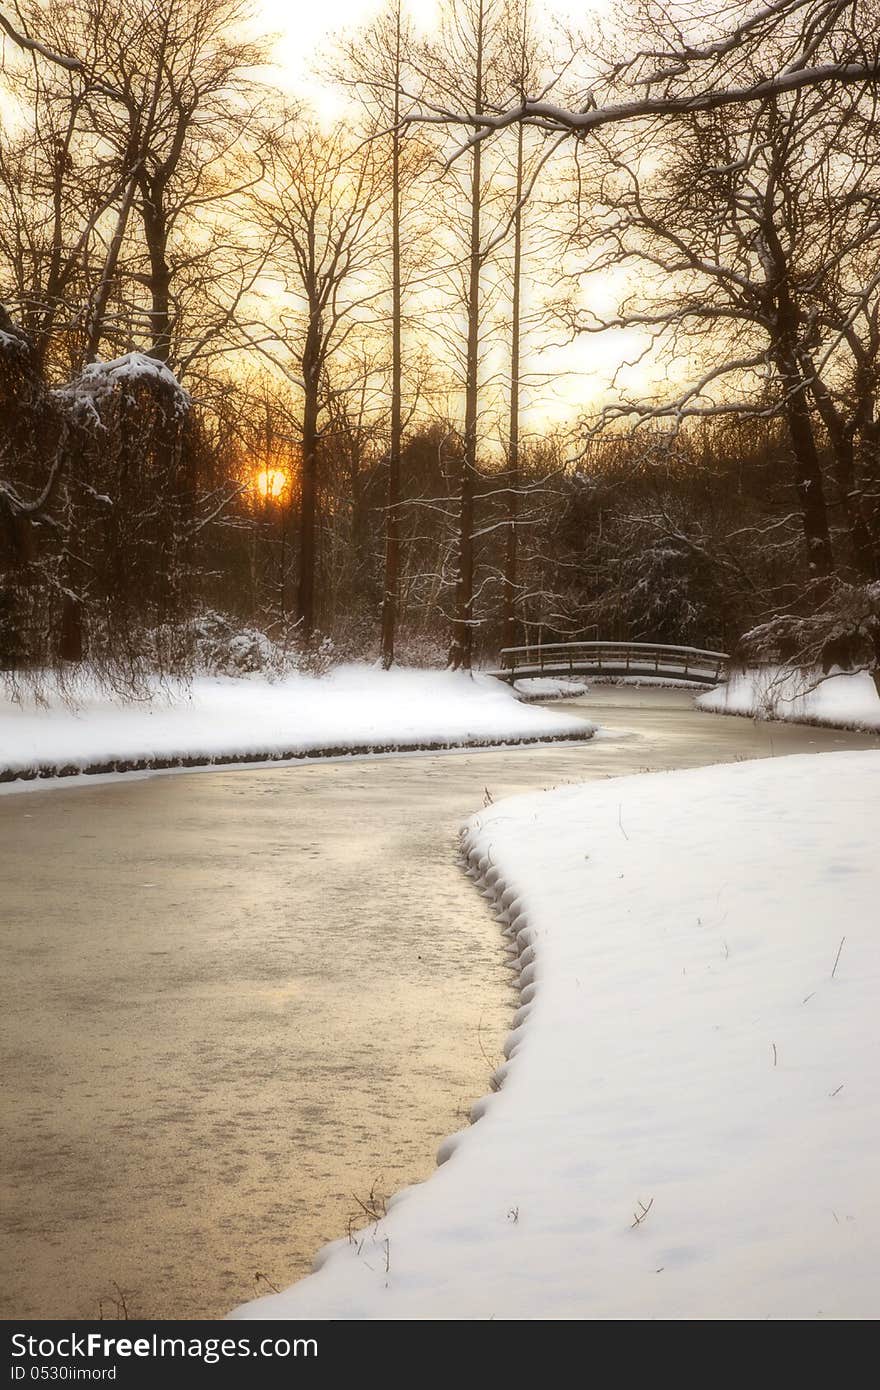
(235, 1003)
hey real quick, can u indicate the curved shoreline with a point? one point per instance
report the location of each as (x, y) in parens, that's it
(852, 726)
(447, 1251)
(507, 906)
(519, 941)
(226, 856)
(195, 761)
(518, 944)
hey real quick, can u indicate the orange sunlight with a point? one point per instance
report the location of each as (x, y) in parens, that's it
(272, 483)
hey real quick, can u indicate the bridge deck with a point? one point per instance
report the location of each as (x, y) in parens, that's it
(612, 659)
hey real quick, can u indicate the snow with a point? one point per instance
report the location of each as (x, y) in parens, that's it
(550, 688)
(689, 1121)
(667, 682)
(846, 700)
(353, 708)
(99, 380)
(563, 687)
(133, 366)
(15, 342)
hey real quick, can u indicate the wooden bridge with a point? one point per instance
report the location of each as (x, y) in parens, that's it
(612, 659)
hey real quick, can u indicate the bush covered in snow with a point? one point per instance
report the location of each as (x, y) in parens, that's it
(842, 699)
(842, 634)
(98, 495)
(220, 647)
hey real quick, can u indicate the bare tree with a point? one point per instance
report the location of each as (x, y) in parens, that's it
(320, 206)
(57, 185)
(525, 61)
(378, 64)
(460, 64)
(740, 53)
(189, 105)
(746, 244)
(121, 175)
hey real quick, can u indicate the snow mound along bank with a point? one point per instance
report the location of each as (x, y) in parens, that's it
(353, 709)
(847, 700)
(690, 1110)
(569, 687)
(550, 688)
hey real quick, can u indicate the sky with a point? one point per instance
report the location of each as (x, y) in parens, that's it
(305, 26)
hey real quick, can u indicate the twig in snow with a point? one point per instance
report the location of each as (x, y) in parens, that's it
(620, 820)
(838, 1091)
(773, 1045)
(837, 957)
(120, 1304)
(641, 1213)
(375, 1206)
(258, 1276)
(486, 1058)
(488, 798)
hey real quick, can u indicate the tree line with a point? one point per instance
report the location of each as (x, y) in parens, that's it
(293, 371)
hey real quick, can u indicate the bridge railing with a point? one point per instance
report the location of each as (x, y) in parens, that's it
(614, 658)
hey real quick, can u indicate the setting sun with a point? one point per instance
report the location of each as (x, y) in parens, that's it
(272, 483)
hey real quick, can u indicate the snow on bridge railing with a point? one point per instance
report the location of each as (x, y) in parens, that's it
(613, 658)
(635, 646)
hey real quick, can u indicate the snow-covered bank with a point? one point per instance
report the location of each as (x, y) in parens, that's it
(665, 682)
(550, 687)
(352, 709)
(568, 687)
(689, 1121)
(846, 700)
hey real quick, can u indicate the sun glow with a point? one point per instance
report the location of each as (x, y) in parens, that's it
(272, 483)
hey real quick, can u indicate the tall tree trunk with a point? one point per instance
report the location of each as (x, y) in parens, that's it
(511, 557)
(71, 637)
(98, 306)
(869, 478)
(841, 434)
(865, 554)
(462, 646)
(392, 517)
(308, 512)
(156, 236)
(808, 480)
(55, 275)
